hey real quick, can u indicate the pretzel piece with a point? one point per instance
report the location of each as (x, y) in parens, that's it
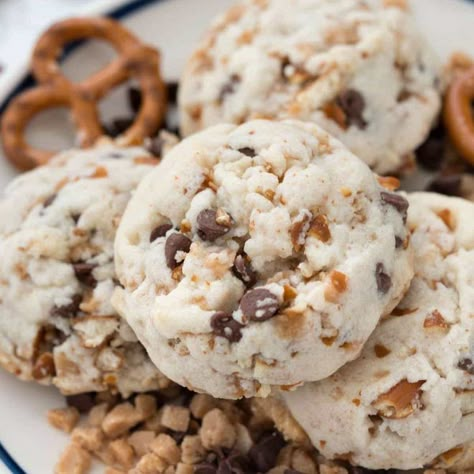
(135, 60)
(458, 114)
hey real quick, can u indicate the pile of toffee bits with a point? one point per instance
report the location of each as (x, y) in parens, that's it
(175, 431)
(453, 175)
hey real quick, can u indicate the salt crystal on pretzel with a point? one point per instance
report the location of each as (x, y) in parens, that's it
(54, 89)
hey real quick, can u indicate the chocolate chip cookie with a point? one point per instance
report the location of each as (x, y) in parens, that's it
(259, 255)
(409, 398)
(57, 229)
(357, 68)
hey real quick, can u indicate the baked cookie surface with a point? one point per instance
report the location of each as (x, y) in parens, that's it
(259, 255)
(409, 398)
(57, 228)
(356, 68)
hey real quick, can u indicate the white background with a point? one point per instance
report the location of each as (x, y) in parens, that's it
(22, 20)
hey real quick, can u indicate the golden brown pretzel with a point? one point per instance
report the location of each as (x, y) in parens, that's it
(135, 60)
(458, 116)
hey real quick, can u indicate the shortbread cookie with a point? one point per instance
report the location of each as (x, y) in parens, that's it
(409, 397)
(259, 255)
(57, 275)
(357, 68)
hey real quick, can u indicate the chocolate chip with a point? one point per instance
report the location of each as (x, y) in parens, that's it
(243, 270)
(155, 146)
(176, 243)
(247, 151)
(48, 201)
(69, 310)
(362, 470)
(430, 154)
(225, 468)
(449, 185)
(398, 242)
(160, 231)
(178, 436)
(467, 365)
(171, 126)
(134, 99)
(82, 401)
(353, 104)
(259, 304)
(205, 468)
(58, 338)
(234, 463)
(75, 218)
(229, 87)
(213, 457)
(224, 325)
(384, 282)
(116, 127)
(357, 470)
(264, 453)
(208, 228)
(396, 201)
(172, 88)
(83, 272)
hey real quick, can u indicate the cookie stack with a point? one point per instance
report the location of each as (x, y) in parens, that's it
(262, 257)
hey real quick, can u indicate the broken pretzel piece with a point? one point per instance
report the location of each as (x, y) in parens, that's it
(400, 401)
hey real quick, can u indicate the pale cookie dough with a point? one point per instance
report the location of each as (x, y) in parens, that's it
(259, 255)
(358, 69)
(57, 226)
(409, 398)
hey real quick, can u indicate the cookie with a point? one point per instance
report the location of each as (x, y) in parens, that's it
(409, 398)
(57, 228)
(259, 255)
(320, 61)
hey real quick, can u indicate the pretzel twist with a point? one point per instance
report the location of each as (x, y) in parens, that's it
(134, 60)
(458, 115)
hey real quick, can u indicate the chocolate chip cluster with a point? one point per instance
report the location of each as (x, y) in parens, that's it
(257, 304)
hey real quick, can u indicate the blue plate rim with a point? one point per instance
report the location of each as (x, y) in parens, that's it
(117, 13)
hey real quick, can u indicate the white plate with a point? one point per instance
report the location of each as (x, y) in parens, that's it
(29, 444)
